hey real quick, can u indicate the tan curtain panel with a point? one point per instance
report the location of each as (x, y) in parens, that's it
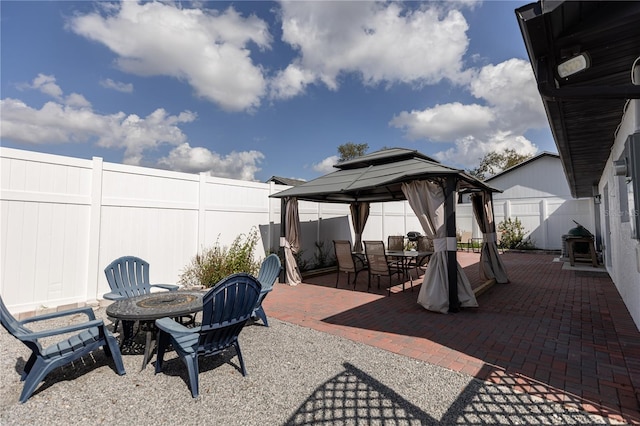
(427, 202)
(359, 216)
(292, 241)
(491, 265)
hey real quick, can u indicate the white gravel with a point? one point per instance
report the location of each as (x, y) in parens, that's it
(296, 376)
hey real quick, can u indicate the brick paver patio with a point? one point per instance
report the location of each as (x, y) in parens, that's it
(563, 335)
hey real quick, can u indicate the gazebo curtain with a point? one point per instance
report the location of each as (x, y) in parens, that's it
(359, 216)
(292, 241)
(427, 200)
(491, 266)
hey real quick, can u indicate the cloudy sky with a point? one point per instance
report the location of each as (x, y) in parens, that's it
(252, 89)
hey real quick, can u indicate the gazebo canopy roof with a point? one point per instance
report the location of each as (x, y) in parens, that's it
(378, 177)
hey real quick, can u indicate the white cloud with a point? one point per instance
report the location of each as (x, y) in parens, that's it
(236, 165)
(510, 88)
(444, 123)
(56, 123)
(291, 82)
(326, 165)
(467, 152)
(207, 49)
(75, 121)
(383, 42)
(512, 106)
(77, 100)
(117, 85)
(47, 85)
(137, 135)
(51, 124)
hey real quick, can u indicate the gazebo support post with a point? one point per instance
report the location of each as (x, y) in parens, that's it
(452, 260)
(283, 235)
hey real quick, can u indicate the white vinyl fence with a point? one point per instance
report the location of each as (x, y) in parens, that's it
(545, 220)
(64, 219)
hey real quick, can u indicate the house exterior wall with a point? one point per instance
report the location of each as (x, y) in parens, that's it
(622, 253)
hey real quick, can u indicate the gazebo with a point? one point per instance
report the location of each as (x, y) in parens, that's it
(431, 190)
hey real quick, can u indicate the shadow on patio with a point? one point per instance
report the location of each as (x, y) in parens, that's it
(565, 336)
(355, 397)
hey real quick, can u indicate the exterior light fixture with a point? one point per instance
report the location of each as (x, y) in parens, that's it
(574, 65)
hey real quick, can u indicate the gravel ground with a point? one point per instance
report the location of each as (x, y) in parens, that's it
(296, 376)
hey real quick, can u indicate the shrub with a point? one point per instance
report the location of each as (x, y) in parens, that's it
(513, 235)
(216, 262)
(323, 256)
(303, 264)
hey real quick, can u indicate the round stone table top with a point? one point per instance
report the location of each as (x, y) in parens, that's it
(156, 305)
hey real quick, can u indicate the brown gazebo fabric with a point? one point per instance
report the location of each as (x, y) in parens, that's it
(292, 242)
(491, 266)
(359, 216)
(427, 201)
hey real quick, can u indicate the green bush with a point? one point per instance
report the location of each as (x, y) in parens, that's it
(323, 256)
(513, 235)
(216, 262)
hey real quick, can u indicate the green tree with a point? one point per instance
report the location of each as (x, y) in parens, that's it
(495, 162)
(351, 150)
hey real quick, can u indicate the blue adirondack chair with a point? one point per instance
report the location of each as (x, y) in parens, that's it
(226, 309)
(128, 276)
(267, 276)
(92, 335)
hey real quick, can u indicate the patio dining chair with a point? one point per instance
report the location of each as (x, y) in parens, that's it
(380, 265)
(269, 272)
(92, 335)
(395, 242)
(425, 247)
(128, 276)
(226, 309)
(348, 261)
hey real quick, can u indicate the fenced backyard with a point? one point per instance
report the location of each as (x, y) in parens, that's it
(64, 219)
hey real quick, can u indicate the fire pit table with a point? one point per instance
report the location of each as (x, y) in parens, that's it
(146, 309)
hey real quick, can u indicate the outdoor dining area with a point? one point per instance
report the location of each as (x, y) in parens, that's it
(432, 190)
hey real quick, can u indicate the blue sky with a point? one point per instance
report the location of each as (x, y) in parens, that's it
(250, 89)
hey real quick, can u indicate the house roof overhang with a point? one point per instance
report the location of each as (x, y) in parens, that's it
(378, 177)
(585, 109)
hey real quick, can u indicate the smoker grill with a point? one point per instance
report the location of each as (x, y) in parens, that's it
(578, 244)
(413, 236)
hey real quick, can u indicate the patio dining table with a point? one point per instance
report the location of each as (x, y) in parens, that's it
(149, 307)
(406, 257)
